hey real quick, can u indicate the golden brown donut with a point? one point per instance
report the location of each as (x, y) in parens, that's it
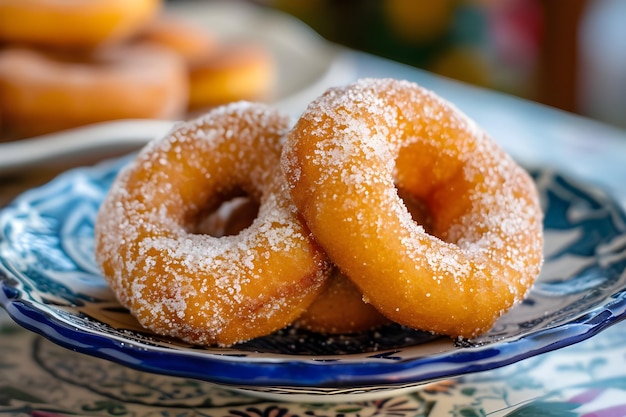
(204, 289)
(236, 71)
(42, 92)
(74, 23)
(340, 309)
(345, 159)
(192, 42)
(219, 71)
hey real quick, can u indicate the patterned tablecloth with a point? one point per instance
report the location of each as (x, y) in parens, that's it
(587, 379)
(41, 379)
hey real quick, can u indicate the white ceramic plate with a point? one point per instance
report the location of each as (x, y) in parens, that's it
(306, 64)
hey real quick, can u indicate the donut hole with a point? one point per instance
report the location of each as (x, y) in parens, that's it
(418, 209)
(231, 216)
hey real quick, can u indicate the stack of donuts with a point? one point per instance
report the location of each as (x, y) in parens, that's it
(382, 203)
(67, 64)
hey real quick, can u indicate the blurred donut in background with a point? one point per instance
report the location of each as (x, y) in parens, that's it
(219, 71)
(238, 71)
(71, 63)
(73, 24)
(50, 91)
(192, 42)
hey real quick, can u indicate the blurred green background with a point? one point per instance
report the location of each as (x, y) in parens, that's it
(570, 54)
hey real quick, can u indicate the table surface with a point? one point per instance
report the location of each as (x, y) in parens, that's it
(586, 379)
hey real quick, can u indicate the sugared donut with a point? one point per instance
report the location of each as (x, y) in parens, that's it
(345, 160)
(236, 71)
(74, 23)
(340, 309)
(193, 286)
(42, 92)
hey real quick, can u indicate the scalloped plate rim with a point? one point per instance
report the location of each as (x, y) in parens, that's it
(17, 309)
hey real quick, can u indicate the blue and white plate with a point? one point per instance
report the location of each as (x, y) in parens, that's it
(51, 285)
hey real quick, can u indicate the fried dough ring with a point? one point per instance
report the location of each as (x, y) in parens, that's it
(345, 159)
(43, 92)
(192, 42)
(236, 71)
(196, 287)
(338, 309)
(73, 24)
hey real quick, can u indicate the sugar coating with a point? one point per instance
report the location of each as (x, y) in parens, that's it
(205, 289)
(344, 159)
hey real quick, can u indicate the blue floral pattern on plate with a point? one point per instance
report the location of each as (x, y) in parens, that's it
(42, 379)
(51, 285)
